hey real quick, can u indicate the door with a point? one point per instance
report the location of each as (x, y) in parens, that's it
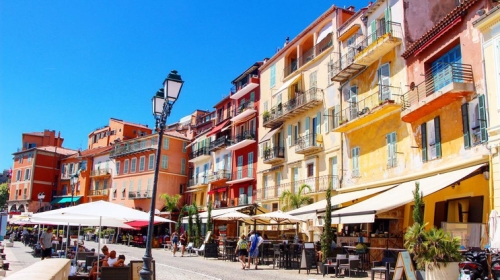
(196, 175)
(240, 167)
(384, 81)
(312, 139)
(205, 173)
(442, 71)
(353, 106)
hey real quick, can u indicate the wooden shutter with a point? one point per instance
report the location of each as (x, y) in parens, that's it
(423, 132)
(482, 119)
(289, 135)
(387, 17)
(437, 129)
(440, 213)
(465, 124)
(373, 25)
(318, 122)
(475, 214)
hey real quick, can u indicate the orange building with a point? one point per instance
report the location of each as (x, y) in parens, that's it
(134, 162)
(115, 131)
(35, 170)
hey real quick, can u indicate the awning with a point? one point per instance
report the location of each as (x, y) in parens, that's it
(286, 84)
(365, 211)
(327, 29)
(270, 134)
(309, 211)
(218, 128)
(61, 200)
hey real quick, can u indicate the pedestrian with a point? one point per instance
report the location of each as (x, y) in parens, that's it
(46, 243)
(255, 240)
(175, 240)
(242, 250)
(183, 239)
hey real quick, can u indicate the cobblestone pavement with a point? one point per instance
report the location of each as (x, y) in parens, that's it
(169, 267)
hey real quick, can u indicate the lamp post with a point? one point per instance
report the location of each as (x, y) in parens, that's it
(41, 197)
(162, 105)
(74, 180)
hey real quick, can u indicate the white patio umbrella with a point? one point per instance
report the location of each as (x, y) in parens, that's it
(278, 217)
(232, 216)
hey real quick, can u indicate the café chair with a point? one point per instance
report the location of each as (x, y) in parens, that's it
(277, 256)
(351, 264)
(383, 266)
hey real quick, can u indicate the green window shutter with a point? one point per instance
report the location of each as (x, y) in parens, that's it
(252, 96)
(273, 76)
(183, 166)
(289, 135)
(437, 127)
(166, 143)
(423, 131)
(318, 122)
(387, 17)
(326, 120)
(373, 25)
(465, 124)
(482, 119)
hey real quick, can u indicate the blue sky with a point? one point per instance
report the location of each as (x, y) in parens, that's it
(69, 66)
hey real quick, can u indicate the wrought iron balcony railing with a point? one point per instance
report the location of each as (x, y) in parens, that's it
(100, 172)
(103, 192)
(133, 147)
(139, 194)
(274, 153)
(219, 175)
(219, 143)
(387, 28)
(246, 135)
(307, 56)
(204, 151)
(317, 184)
(307, 141)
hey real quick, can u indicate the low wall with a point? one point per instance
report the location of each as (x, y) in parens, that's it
(48, 269)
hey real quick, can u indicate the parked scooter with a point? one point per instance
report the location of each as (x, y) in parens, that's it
(495, 266)
(475, 266)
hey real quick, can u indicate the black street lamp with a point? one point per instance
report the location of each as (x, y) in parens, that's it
(74, 180)
(41, 197)
(162, 105)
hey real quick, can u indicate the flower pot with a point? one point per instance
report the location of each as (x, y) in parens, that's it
(5, 266)
(450, 271)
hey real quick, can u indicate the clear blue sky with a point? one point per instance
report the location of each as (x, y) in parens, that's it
(69, 66)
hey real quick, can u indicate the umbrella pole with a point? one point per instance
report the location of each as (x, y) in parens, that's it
(67, 238)
(76, 248)
(99, 244)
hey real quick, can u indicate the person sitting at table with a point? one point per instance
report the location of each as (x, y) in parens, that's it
(94, 274)
(105, 253)
(111, 260)
(120, 262)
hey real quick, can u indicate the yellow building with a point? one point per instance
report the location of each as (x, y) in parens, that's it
(296, 145)
(489, 25)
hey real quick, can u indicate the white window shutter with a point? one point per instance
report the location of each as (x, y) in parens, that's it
(318, 122)
(326, 120)
(289, 135)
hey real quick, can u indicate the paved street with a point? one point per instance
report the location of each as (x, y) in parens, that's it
(169, 267)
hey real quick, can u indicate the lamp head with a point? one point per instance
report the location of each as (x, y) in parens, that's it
(172, 86)
(41, 196)
(158, 102)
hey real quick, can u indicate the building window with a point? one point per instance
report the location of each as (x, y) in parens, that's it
(151, 163)
(133, 165)
(355, 162)
(474, 122)
(117, 168)
(240, 168)
(142, 163)
(264, 179)
(131, 186)
(183, 166)
(105, 184)
(164, 162)
(21, 159)
(181, 189)
(166, 143)
(391, 150)
(125, 167)
(250, 165)
(431, 139)
(71, 168)
(273, 76)
(29, 157)
(184, 145)
(18, 175)
(27, 174)
(310, 170)
(139, 186)
(334, 172)
(296, 133)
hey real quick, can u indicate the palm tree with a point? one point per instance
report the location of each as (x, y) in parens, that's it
(171, 204)
(291, 200)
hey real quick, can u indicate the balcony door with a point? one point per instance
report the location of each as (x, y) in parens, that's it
(205, 173)
(240, 167)
(442, 71)
(353, 102)
(384, 75)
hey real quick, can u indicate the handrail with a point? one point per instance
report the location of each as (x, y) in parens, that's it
(307, 56)
(221, 141)
(274, 152)
(248, 134)
(244, 172)
(393, 29)
(317, 184)
(219, 175)
(131, 147)
(385, 94)
(306, 141)
(199, 152)
(437, 77)
(301, 99)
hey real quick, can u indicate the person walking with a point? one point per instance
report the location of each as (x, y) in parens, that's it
(175, 240)
(255, 240)
(46, 243)
(183, 243)
(242, 250)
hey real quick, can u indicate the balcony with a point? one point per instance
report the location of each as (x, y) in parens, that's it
(133, 147)
(102, 192)
(199, 181)
(219, 143)
(385, 101)
(317, 184)
(378, 43)
(102, 172)
(219, 176)
(443, 84)
(242, 175)
(308, 144)
(242, 140)
(308, 56)
(253, 82)
(274, 155)
(220, 204)
(345, 68)
(200, 154)
(139, 194)
(302, 102)
(244, 110)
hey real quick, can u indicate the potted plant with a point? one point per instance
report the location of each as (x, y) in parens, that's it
(434, 251)
(266, 115)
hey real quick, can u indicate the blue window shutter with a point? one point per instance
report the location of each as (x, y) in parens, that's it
(482, 119)
(465, 124)
(437, 127)
(423, 132)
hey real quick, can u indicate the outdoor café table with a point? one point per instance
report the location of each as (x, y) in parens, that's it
(332, 263)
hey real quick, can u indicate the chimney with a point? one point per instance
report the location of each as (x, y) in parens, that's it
(287, 40)
(370, 4)
(351, 8)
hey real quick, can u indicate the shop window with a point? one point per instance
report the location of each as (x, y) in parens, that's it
(461, 210)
